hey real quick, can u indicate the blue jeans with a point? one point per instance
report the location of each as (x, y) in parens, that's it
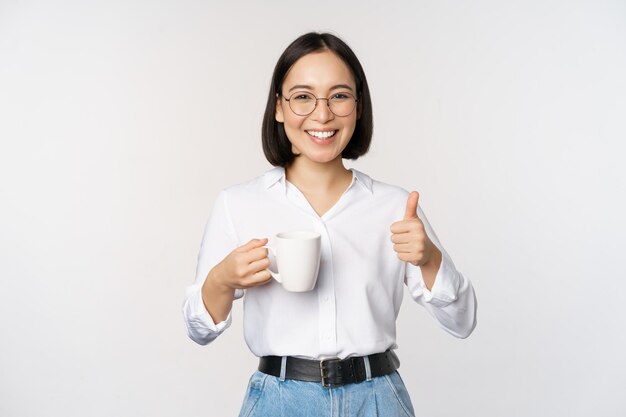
(268, 396)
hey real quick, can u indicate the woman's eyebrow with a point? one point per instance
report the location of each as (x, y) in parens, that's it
(308, 87)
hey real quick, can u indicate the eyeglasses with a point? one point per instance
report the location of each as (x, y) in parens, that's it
(303, 104)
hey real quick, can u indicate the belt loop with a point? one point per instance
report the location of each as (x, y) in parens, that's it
(283, 368)
(368, 369)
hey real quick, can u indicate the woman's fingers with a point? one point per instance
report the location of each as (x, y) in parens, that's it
(259, 265)
(255, 254)
(412, 247)
(255, 263)
(401, 237)
(252, 244)
(258, 278)
(262, 277)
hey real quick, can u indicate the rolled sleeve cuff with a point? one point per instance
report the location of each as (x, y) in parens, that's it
(446, 286)
(200, 326)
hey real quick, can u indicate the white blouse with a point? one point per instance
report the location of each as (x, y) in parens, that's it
(353, 308)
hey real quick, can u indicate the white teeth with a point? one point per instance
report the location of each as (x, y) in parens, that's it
(321, 135)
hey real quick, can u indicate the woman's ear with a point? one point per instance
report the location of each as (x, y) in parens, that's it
(279, 110)
(358, 109)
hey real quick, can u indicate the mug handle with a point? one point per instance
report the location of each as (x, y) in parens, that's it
(275, 275)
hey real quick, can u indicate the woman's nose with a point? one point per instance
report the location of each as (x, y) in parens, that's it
(322, 112)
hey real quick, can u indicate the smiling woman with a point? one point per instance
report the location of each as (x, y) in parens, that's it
(320, 67)
(316, 133)
(330, 348)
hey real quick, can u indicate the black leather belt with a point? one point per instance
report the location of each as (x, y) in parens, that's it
(331, 372)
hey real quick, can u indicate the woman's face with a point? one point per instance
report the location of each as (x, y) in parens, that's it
(321, 74)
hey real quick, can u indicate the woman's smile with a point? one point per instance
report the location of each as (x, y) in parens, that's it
(322, 134)
(322, 137)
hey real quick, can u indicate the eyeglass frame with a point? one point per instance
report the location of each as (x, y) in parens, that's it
(288, 100)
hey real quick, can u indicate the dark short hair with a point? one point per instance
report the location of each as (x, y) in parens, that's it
(276, 145)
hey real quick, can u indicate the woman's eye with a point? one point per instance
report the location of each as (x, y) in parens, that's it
(340, 95)
(302, 97)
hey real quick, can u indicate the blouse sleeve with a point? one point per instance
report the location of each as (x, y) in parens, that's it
(218, 240)
(451, 301)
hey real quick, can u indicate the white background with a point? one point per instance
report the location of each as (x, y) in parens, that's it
(121, 120)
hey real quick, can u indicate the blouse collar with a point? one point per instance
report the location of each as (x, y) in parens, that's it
(277, 174)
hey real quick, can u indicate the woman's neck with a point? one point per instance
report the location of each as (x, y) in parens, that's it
(317, 177)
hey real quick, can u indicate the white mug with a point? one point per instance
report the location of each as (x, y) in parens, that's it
(297, 256)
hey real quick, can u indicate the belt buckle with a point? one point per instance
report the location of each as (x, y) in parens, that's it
(325, 382)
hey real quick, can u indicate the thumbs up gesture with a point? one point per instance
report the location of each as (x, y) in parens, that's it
(409, 236)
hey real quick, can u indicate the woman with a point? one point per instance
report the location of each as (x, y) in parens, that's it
(329, 351)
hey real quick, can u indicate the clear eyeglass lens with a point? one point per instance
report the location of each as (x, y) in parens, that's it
(341, 104)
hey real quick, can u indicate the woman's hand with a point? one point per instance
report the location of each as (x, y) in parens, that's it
(413, 245)
(244, 267)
